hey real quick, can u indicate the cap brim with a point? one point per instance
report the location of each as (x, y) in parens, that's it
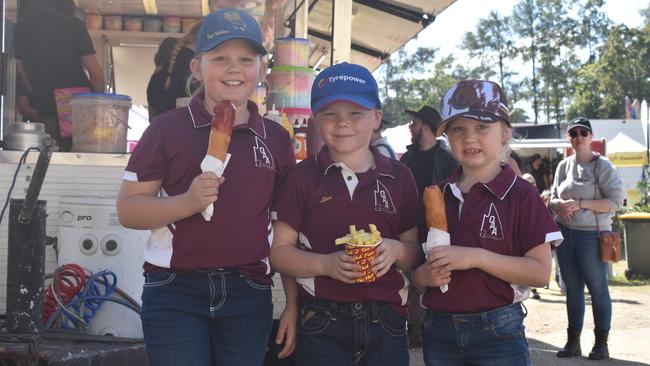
(579, 125)
(354, 99)
(412, 113)
(479, 116)
(212, 45)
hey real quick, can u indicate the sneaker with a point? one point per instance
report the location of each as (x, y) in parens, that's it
(535, 295)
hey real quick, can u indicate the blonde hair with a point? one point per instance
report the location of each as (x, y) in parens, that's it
(200, 89)
(187, 40)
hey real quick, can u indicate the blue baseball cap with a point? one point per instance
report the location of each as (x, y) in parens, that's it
(226, 24)
(345, 82)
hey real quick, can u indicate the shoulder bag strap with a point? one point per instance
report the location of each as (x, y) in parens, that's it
(596, 187)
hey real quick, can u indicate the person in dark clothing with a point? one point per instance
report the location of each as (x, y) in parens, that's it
(24, 102)
(170, 78)
(538, 171)
(53, 53)
(428, 158)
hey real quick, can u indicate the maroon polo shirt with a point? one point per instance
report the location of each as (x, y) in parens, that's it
(320, 199)
(505, 216)
(239, 235)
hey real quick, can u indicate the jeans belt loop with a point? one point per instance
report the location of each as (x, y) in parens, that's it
(485, 320)
(374, 312)
(333, 308)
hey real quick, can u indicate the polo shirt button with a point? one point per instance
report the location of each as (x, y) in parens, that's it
(349, 177)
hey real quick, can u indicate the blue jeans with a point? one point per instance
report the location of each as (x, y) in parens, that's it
(205, 317)
(580, 264)
(345, 334)
(494, 337)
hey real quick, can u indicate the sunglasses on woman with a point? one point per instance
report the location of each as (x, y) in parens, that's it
(574, 133)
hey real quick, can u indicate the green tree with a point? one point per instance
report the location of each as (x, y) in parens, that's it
(557, 59)
(623, 69)
(594, 26)
(410, 81)
(493, 43)
(526, 24)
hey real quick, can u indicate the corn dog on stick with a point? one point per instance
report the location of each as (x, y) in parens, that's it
(217, 155)
(434, 205)
(222, 123)
(435, 214)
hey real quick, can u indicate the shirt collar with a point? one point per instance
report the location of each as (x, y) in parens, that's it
(383, 165)
(202, 118)
(499, 186)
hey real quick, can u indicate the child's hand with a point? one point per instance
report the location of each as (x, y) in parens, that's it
(388, 252)
(203, 191)
(341, 266)
(287, 330)
(452, 257)
(429, 276)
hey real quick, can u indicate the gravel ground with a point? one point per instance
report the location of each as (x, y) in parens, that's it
(629, 340)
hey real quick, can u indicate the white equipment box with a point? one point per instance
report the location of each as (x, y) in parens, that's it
(91, 236)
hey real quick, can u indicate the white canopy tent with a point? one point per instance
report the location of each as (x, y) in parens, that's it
(623, 151)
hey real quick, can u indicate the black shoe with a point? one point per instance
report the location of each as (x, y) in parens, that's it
(600, 350)
(572, 346)
(535, 294)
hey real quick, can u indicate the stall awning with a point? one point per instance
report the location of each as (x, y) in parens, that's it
(540, 144)
(379, 27)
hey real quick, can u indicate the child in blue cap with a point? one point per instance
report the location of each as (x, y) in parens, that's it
(342, 321)
(207, 293)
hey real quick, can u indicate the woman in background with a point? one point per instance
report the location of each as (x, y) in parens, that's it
(585, 194)
(169, 80)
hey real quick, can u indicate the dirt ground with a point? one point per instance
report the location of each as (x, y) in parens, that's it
(629, 339)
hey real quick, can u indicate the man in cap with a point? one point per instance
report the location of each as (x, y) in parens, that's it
(428, 159)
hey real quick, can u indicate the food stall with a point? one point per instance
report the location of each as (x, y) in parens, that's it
(81, 185)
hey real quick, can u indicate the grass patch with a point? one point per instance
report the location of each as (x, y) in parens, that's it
(620, 280)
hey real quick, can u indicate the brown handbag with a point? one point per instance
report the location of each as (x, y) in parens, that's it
(610, 241)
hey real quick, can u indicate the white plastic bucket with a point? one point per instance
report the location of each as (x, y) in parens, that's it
(100, 122)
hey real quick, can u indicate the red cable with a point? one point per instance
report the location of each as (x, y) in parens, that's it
(67, 281)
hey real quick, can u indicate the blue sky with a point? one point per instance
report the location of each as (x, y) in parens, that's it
(462, 16)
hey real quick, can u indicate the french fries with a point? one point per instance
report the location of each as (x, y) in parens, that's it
(360, 237)
(361, 246)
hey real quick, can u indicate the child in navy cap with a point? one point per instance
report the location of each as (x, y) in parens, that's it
(207, 292)
(500, 233)
(342, 322)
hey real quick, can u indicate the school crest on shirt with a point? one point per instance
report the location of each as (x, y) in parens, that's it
(383, 200)
(491, 226)
(262, 154)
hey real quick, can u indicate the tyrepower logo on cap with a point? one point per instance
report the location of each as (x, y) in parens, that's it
(333, 79)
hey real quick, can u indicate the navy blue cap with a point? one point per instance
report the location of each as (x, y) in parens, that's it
(345, 82)
(226, 24)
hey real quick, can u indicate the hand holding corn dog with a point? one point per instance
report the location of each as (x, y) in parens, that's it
(217, 155)
(436, 218)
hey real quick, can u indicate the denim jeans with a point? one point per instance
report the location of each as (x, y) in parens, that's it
(205, 317)
(345, 334)
(494, 337)
(580, 264)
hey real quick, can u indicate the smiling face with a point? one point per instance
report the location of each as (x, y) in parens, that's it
(346, 127)
(477, 145)
(229, 72)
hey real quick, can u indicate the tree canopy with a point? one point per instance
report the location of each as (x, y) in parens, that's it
(576, 62)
